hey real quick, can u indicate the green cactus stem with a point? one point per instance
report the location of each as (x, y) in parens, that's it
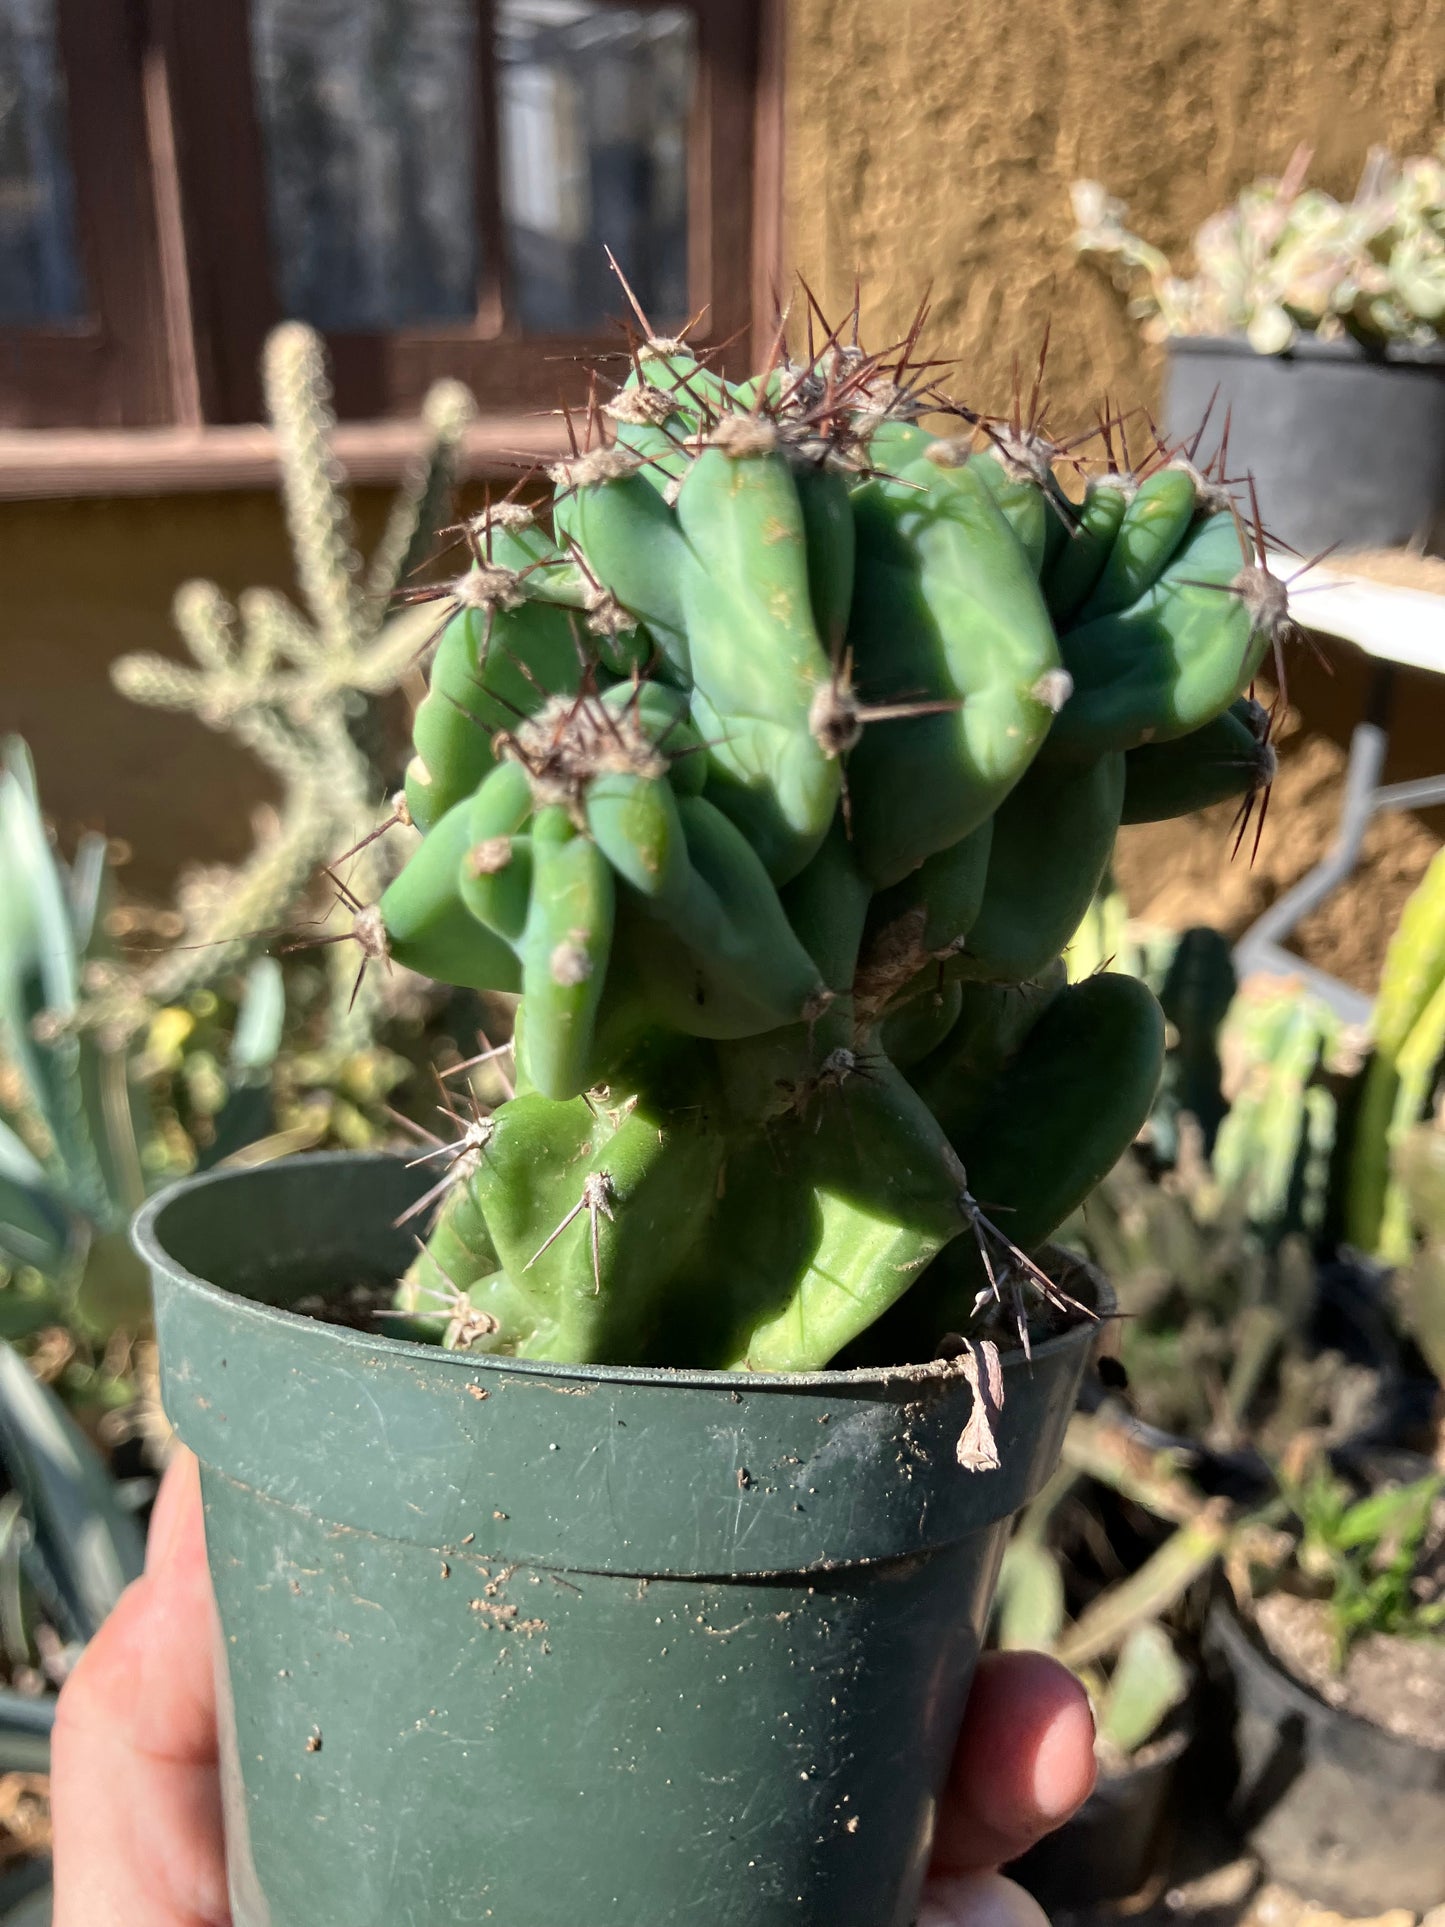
(1419, 1165)
(1407, 1036)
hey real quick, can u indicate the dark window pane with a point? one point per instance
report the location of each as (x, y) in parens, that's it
(368, 109)
(595, 104)
(40, 278)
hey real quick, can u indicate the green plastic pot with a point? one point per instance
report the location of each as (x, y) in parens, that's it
(555, 1646)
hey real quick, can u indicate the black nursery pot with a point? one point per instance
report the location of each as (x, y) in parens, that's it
(531, 1644)
(1117, 1840)
(1347, 1814)
(1345, 446)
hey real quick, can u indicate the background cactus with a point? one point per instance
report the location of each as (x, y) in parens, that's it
(1117, 1634)
(298, 691)
(1419, 1164)
(1285, 258)
(776, 775)
(1407, 1038)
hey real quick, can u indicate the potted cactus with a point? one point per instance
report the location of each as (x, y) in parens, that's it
(1317, 325)
(633, 1565)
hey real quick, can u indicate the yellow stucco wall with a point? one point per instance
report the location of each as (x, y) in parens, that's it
(936, 140)
(86, 581)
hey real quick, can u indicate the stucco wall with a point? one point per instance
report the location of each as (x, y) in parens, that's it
(935, 140)
(86, 581)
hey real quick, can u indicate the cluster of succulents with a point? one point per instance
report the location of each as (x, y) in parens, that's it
(775, 768)
(1285, 258)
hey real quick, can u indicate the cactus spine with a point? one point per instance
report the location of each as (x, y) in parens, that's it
(776, 775)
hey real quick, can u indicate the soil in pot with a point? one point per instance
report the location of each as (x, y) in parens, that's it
(1397, 1684)
(520, 1642)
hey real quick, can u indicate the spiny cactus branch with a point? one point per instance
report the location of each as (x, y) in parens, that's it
(286, 687)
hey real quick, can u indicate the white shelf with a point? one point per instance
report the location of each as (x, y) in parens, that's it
(1405, 626)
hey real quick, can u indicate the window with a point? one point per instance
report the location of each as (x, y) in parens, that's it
(40, 274)
(80, 292)
(430, 182)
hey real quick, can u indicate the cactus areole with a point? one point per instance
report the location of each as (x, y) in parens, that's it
(775, 766)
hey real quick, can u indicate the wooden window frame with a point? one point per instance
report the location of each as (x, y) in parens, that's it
(176, 350)
(109, 369)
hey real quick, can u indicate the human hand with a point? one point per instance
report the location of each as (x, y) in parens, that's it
(136, 1801)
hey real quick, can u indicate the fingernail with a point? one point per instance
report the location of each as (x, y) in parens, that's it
(172, 1506)
(1064, 1766)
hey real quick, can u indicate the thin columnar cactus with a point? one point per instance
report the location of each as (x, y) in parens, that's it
(1419, 1165)
(1407, 1036)
(292, 689)
(775, 776)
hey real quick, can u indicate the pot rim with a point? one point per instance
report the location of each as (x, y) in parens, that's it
(1309, 347)
(146, 1237)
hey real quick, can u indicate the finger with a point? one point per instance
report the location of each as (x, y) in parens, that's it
(1024, 1762)
(980, 1900)
(134, 1790)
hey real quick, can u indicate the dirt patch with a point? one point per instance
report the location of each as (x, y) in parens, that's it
(1396, 568)
(1181, 873)
(24, 1816)
(1398, 1684)
(362, 1308)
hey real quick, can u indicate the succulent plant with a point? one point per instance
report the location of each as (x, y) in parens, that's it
(74, 1116)
(1214, 1251)
(1286, 1056)
(775, 775)
(1374, 1558)
(298, 692)
(1285, 259)
(1217, 1340)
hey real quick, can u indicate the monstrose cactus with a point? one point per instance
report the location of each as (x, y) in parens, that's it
(775, 769)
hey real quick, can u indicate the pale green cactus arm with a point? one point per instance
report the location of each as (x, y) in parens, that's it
(1395, 1081)
(294, 689)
